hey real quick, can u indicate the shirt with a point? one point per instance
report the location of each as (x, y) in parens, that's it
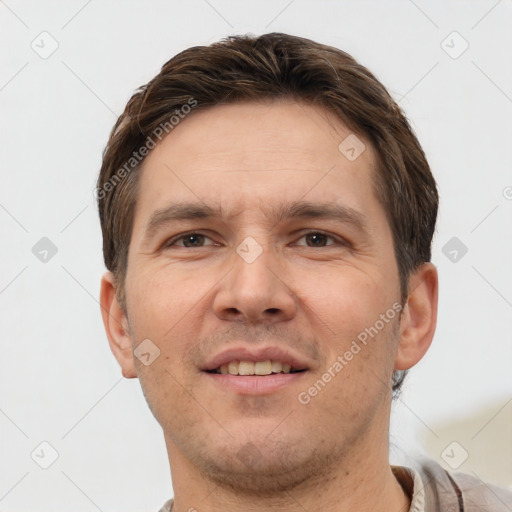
(433, 489)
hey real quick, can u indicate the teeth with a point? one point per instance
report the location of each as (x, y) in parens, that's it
(246, 368)
(254, 368)
(263, 368)
(277, 366)
(233, 367)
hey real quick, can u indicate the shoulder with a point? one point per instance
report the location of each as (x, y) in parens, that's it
(480, 495)
(461, 491)
(167, 506)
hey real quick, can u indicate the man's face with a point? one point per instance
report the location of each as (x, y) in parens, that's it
(296, 288)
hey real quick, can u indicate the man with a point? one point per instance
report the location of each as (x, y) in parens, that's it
(267, 216)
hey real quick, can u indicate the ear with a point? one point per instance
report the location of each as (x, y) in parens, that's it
(116, 326)
(419, 317)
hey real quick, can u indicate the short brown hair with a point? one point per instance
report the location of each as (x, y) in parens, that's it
(254, 68)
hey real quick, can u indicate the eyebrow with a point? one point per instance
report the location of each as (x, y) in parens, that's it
(298, 209)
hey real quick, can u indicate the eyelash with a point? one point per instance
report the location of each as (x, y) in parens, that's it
(338, 241)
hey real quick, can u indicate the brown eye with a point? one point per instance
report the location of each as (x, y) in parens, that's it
(193, 240)
(188, 240)
(320, 239)
(317, 239)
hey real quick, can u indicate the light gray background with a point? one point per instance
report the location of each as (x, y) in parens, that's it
(59, 382)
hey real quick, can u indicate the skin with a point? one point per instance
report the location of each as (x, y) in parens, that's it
(229, 451)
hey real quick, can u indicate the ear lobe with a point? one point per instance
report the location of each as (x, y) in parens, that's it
(419, 317)
(116, 326)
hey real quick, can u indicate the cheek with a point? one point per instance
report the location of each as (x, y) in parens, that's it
(164, 299)
(347, 314)
(346, 298)
(160, 307)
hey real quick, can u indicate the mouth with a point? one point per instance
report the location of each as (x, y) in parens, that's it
(255, 377)
(255, 368)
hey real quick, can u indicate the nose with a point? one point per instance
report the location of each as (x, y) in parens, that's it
(255, 290)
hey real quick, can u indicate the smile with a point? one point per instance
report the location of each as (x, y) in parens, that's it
(261, 368)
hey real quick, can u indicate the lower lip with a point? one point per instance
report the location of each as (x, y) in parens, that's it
(255, 385)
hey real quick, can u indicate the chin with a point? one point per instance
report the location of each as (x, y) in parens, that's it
(264, 469)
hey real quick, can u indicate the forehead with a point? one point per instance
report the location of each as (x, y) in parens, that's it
(249, 157)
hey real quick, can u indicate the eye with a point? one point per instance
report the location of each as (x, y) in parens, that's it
(319, 239)
(190, 240)
(197, 240)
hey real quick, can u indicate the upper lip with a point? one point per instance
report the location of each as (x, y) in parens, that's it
(255, 354)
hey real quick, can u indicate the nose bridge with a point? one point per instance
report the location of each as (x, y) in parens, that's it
(253, 288)
(252, 264)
